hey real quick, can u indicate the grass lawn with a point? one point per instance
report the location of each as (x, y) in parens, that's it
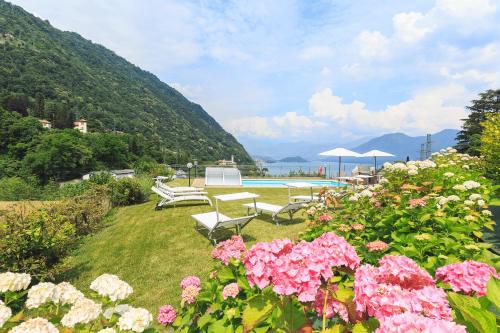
(153, 250)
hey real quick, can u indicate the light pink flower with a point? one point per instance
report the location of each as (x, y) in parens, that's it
(324, 218)
(468, 277)
(410, 322)
(190, 281)
(232, 248)
(418, 202)
(231, 290)
(357, 226)
(377, 246)
(333, 307)
(190, 293)
(166, 314)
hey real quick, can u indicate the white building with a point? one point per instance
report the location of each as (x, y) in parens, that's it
(45, 123)
(81, 125)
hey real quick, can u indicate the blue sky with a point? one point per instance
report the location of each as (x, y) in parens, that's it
(304, 70)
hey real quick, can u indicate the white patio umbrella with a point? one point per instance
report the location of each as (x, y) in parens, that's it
(376, 153)
(340, 152)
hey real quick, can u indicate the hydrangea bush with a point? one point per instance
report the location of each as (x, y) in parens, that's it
(432, 211)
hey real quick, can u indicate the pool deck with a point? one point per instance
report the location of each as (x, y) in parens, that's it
(200, 182)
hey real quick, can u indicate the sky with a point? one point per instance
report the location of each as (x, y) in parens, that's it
(304, 70)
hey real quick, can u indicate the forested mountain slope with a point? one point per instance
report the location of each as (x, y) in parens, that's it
(58, 75)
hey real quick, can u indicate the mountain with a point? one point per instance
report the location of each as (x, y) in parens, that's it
(56, 74)
(403, 145)
(293, 159)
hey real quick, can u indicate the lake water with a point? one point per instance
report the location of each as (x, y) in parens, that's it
(329, 168)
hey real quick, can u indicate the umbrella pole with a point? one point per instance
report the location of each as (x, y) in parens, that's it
(340, 160)
(375, 163)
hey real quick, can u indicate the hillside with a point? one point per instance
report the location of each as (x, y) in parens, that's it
(403, 145)
(58, 72)
(293, 159)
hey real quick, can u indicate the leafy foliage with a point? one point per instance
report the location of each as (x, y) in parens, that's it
(60, 75)
(469, 138)
(490, 146)
(126, 191)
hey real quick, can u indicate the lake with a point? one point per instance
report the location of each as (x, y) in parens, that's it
(329, 168)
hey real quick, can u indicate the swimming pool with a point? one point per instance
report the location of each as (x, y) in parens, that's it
(282, 182)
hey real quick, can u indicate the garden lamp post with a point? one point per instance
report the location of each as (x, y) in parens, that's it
(189, 166)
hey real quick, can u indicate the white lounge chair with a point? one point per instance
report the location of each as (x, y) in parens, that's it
(184, 191)
(177, 189)
(290, 208)
(215, 221)
(169, 198)
(303, 198)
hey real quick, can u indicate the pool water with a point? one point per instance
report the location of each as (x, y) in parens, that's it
(282, 182)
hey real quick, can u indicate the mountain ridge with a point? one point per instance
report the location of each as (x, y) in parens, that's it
(91, 81)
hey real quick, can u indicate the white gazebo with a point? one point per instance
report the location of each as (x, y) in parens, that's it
(340, 152)
(376, 153)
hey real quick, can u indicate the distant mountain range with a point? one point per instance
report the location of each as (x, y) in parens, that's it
(399, 144)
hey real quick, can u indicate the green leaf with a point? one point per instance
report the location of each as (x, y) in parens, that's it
(360, 328)
(493, 291)
(258, 308)
(205, 319)
(226, 274)
(482, 320)
(291, 317)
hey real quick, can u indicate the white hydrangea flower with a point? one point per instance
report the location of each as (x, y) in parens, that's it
(470, 184)
(412, 172)
(111, 286)
(35, 325)
(465, 158)
(83, 311)
(486, 212)
(387, 166)
(66, 293)
(468, 202)
(475, 197)
(481, 203)
(459, 187)
(453, 198)
(366, 193)
(135, 319)
(354, 197)
(40, 294)
(469, 218)
(451, 150)
(442, 201)
(383, 181)
(119, 309)
(425, 164)
(452, 163)
(399, 166)
(465, 166)
(444, 165)
(5, 313)
(448, 174)
(14, 281)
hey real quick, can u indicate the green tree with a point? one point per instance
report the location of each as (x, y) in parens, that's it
(110, 150)
(16, 102)
(39, 107)
(60, 155)
(469, 138)
(490, 146)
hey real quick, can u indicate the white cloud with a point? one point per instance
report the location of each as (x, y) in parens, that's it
(373, 44)
(427, 111)
(253, 126)
(326, 71)
(316, 52)
(408, 27)
(466, 8)
(295, 123)
(491, 79)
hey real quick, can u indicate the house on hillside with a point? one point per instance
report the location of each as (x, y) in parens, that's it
(45, 123)
(231, 162)
(81, 125)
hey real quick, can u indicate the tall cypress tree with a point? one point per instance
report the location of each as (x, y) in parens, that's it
(469, 138)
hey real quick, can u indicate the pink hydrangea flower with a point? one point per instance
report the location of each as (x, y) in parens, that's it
(468, 277)
(298, 269)
(357, 226)
(333, 307)
(324, 218)
(232, 248)
(231, 290)
(410, 322)
(418, 202)
(377, 246)
(398, 286)
(166, 315)
(190, 281)
(190, 293)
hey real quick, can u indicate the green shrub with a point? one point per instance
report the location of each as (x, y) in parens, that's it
(15, 188)
(101, 178)
(126, 191)
(152, 168)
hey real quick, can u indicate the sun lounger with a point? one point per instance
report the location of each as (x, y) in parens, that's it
(177, 189)
(168, 198)
(305, 198)
(185, 191)
(275, 210)
(215, 221)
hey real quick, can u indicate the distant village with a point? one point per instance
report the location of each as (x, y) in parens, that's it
(80, 124)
